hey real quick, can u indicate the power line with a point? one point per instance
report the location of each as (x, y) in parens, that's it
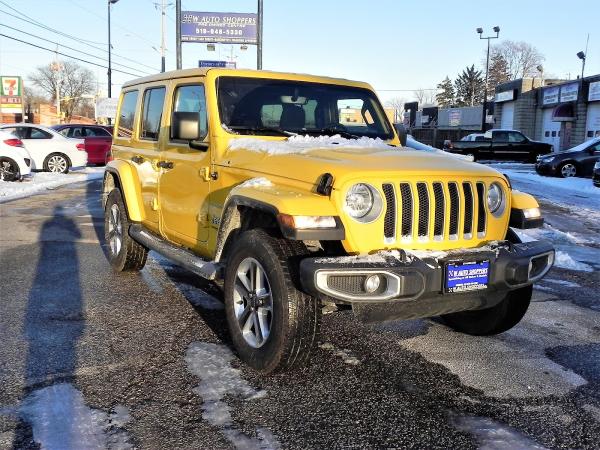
(67, 56)
(74, 38)
(407, 90)
(67, 47)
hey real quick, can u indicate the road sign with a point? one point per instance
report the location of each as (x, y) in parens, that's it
(106, 107)
(222, 64)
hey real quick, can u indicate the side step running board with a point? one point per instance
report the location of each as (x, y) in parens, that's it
(181, 256)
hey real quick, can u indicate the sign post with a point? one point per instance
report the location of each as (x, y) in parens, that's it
(11, 100)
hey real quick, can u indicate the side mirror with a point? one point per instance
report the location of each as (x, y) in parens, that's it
(402, 133)
(189, 126)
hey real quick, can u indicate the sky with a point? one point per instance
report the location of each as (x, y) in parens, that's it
(396, 46)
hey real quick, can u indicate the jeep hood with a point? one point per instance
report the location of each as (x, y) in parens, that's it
(345, 159)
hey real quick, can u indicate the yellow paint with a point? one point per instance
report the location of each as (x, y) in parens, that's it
(130, 188)
(191, 196)
(521, 200)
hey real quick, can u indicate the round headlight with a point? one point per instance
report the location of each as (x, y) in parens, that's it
(494, 197)
(363, 203)
(359, 200)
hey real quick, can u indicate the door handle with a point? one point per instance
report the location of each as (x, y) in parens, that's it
(165, 164)
(137, 159)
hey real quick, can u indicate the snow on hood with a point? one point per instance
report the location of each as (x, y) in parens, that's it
(302, 144)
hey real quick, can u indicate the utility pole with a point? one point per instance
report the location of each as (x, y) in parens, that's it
(162, 36)
(55, 67)
(487, 69)
(260, 36)
(178, 32)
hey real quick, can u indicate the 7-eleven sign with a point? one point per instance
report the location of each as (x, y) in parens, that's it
(11, 86)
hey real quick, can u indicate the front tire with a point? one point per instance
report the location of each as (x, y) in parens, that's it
(123, 253)
(273, 325)
(57, 163)
(567, 170)
(9, 170)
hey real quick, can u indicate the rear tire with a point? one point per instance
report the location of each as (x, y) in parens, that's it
(9, 170)
(57, 163)
(123, 253)
(289, 318)
(499, 318)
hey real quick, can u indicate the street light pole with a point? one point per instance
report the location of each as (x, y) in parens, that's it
(162, 36)
(178, 33)
(259, 36)
(110, 2)
(487, 69)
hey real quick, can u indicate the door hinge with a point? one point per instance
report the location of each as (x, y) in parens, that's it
(154, 204)
(207, 175)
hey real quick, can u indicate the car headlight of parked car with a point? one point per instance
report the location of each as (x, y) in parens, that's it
(547, 160)
(597, 165)
(495, 198)
(363, 203)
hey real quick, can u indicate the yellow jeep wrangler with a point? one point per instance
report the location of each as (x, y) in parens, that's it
(296, 192)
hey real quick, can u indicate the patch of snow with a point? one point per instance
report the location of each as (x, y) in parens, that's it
(492, 435)
(565, 261)
(565, 283)
(60, 420)
(256, 182)
(303, 144)
(344, 354)
(552, 234)
(218, 380)
(43, 181)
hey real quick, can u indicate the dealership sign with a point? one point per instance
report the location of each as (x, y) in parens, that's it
(594, 93)
(505, 96)
(568, 92)
(551, 95)
(454, 117)
(11, 101)
(227, 28)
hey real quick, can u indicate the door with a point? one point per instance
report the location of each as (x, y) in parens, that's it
(184, 184)
(550, 130)
(136, 141)
(500, 144)
(592, 126)
(38, 143)
(508, 115)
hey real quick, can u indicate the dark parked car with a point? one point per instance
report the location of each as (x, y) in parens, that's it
(501, 144)
(596, 175)
(577, 161)
(98, 139)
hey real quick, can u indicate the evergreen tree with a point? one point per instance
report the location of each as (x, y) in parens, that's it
(469, 87)
(498, 73)
(445, 98)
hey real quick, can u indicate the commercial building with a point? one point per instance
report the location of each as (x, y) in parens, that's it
(561, 113)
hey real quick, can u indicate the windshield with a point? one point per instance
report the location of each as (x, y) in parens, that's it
(283, 107)
(582, 146)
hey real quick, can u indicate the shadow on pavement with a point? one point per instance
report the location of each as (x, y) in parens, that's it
(54, 319)
(93, 200)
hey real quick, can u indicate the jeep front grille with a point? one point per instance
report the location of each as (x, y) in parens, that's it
(434, 211)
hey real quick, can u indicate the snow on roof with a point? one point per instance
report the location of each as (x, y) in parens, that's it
(302, 144)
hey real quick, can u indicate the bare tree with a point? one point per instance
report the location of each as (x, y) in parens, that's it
(73, 81)
(397, 104)
(521, 58)
(426, 97)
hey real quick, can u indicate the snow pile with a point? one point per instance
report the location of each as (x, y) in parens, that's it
(565, 261)
(256, 182)
(303, 144)
(43, 181)
(344, 354)
(218, 380)
(60, 419)
(492, 435)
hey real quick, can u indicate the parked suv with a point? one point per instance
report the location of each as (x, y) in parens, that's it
(257, 179)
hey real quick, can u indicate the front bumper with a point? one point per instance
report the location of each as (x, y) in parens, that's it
(545, 169)
(413, 287)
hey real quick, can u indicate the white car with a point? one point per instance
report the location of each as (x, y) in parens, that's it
(49, 150)
(15, 162)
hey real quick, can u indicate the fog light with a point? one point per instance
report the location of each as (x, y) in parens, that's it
(372, 283)
(532, 213)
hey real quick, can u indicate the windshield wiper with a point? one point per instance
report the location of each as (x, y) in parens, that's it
(332, 131)
(255, 130)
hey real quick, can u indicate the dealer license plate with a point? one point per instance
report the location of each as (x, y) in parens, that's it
(466, 277)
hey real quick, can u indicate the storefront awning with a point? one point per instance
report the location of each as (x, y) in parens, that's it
(564, 113)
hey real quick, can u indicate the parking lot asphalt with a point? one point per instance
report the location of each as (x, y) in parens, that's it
(144, 360)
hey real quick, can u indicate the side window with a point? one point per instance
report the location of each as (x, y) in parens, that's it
(77, 132)
(500, 136)
(152, 109)
(36, 133)
(191, 98)
(127, 115)
(64, 132)
(270, 115)
(516, 137)
(596, 148)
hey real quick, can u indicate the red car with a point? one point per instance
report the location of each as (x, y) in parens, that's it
(98, 139)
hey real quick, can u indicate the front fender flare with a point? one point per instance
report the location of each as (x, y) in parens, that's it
(126, 179)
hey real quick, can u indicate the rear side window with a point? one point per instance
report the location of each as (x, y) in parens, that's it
(127, 115)
(36, 133)
(154, 100)
(64, 132)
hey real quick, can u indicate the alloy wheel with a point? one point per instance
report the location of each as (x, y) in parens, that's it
(115, 230)
(253, 302)
(8, 171)
(568, 170)
(57, 164)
